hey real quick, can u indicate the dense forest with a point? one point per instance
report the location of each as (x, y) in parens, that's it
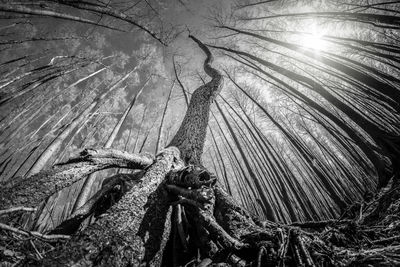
(200, 133)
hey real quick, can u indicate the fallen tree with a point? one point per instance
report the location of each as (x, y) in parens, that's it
(174, 212)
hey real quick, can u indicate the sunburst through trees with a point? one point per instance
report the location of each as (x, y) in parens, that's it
(196, 133)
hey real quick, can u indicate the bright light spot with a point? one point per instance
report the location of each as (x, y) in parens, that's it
(313, 39)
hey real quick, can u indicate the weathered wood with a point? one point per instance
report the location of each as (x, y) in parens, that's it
(133, 232)
(113, 188)
(191, 135)
(30, 191)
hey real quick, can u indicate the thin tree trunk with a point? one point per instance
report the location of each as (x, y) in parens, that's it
(55, 145)
(136, 229)
(260, 189)
(47, 13)
(140, 128)
(163, 116)
(180, 83)
(88, 184)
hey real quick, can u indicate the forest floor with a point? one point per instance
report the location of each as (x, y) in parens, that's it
(366, 234)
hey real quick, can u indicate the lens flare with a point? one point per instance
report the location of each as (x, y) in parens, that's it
(314, 39)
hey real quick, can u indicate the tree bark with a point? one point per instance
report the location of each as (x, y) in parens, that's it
(191, 135)
(31, 191)
(133, 232)
(136, 229)
(87, 186)
(47, 13)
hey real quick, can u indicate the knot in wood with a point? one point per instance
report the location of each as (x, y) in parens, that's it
(192, 176)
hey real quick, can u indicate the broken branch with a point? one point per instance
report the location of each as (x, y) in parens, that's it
(6, 227)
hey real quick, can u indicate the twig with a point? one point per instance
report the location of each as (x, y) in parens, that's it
(386, 240)
(34, 234)
(261, 253)
(10, 210)
(36, 250)
(319, 224)
(361, 213)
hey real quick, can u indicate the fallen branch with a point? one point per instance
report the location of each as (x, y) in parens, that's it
(6, 227)
(11, 210)
(30, 191)
(219, 234)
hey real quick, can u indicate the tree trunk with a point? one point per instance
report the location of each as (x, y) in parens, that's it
(87, 186)
(136, 229)
(30, 191)
(191, 135)
(133, 232)
(160, 129)
(55, 145)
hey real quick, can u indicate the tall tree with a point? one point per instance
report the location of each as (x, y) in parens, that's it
(305, 131)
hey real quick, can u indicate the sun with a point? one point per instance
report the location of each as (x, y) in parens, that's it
(313, 39)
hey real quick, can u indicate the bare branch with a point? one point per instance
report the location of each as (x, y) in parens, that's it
(31, 191)
(11, 210)
(6, 227)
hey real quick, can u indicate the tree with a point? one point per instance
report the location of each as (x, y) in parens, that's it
(171, 202)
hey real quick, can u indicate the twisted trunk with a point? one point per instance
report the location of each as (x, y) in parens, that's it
(191, 135)
(134, 231)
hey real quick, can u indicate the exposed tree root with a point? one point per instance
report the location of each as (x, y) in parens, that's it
(241, 241)
(210, 229)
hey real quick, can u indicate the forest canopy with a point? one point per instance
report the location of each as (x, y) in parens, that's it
(198, 133)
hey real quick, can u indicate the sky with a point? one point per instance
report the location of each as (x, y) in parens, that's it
(31, 122)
